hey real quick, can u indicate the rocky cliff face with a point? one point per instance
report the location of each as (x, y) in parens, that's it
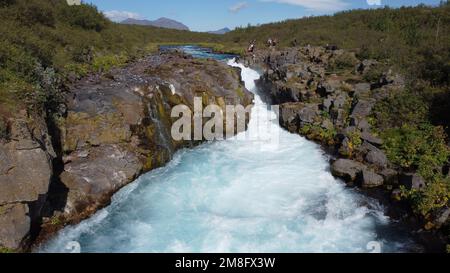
(25, 175)
(328, 96)
(324, 95)
(117, 125)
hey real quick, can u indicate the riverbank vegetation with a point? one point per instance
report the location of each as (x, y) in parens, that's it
(41, 36)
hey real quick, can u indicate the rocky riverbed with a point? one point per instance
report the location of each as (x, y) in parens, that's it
(329, 96)
(114, 127)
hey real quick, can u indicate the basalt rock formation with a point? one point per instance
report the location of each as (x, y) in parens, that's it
(328, 95)
(116, 126)
(324, 96)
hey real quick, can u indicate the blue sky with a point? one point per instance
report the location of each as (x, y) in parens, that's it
(206, 15)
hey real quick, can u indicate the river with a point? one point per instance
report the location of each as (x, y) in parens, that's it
(265, 190)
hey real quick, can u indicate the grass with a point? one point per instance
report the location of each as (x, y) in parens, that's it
(5, 250)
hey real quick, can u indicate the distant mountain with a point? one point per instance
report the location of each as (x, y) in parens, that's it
(161, 22)
(220, 31)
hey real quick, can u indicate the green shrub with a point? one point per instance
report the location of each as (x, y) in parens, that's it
(36, 12)
(421, 148)
(343, 61)
(105, 63)
(318, 133)
(375, 73)
(434, 196)
(355, 139)
(5, 250)
(85, 16)
(47, 94)
(400, 108)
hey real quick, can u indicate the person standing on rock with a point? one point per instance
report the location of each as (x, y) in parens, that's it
(251, 47)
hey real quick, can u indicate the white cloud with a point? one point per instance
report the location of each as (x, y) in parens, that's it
(316, 5)
(238, 7)
(119, 16)
(374, 2)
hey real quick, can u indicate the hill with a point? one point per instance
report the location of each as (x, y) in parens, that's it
(220, 31)
(161, 22)
(41, 37)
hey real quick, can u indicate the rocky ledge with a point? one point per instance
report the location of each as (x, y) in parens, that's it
(115, 126)
(328, 95)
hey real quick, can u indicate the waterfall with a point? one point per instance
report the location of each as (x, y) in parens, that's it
(239, 195)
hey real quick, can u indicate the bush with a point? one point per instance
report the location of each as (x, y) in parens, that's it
(400, 108)
(47, 93)
(36, 12)
(343, 61)
(435, 196)
(318, 133)
(420, 148)
(105, 63)
(85, 16)
(355, 139)
(4, 250)
(375, 73)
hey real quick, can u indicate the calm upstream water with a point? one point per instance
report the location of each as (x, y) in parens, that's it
(239, 195)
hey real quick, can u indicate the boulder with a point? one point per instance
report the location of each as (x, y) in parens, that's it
(14, 225)
(328, 87)
(289, 116)
(390, 176)
(347, 169)
(293, 71)
(377, 158)
(371, 138)
(26, 162)
(340, 101)
(92, 180)
(365, 66)
(26, 174)
(339, 117)
(363, 108)
(412, 181)
(327, 103)
(370, 179)
(360, 123)
(309, 113)
(292, 115)
(366, 147)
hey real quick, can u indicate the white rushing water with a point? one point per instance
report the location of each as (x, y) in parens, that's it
(236, 196)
